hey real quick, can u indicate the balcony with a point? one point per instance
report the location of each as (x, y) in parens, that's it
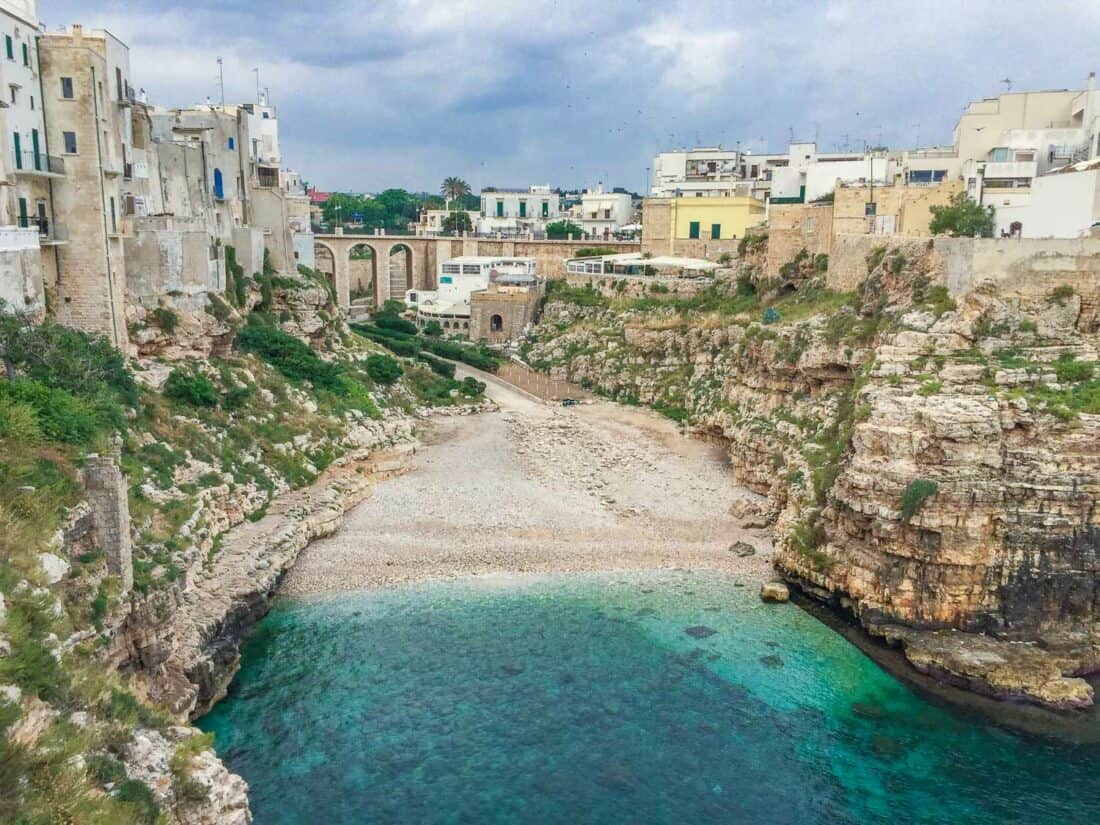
(37, 164)
(48, 234)
(127, 96)
(1024, 169)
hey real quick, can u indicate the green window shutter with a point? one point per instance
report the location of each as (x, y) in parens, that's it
(18, 151)
(26, 55)
(545, 209)
(500, 209)
(716, 231)
(35, 146)
(10, 45)
(523, 209)
(693, 230)
(23, 222)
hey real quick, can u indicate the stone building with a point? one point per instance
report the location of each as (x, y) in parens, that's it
(87, 100)
(505, 310)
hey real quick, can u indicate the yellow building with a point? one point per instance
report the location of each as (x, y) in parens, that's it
(698, 227)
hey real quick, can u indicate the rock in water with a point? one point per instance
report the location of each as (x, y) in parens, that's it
(700, 631)
(742, 549)
(775, 592)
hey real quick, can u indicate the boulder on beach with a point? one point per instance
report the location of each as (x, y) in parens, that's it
(775, 592)
(742, 549)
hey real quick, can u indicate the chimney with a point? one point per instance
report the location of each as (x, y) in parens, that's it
(78, 31)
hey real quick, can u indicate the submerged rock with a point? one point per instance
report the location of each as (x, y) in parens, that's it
(700, 631)
(771, 661)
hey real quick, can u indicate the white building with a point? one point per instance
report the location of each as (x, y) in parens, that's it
(601, 214)
(1062, 204)
(458, 278)
(1007, 142)
(27, 168)
(799, 175)
(518, 211)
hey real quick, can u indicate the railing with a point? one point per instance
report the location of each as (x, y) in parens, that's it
(31, 161)
(46, 230)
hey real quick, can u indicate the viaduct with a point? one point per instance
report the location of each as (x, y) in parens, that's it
(423, 254)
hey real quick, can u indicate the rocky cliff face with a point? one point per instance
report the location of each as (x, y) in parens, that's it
(929, 464)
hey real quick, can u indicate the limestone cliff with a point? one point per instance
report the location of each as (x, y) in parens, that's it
(148, 510)
(929, 462)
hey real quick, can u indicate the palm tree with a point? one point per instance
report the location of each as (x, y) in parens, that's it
(454, 189)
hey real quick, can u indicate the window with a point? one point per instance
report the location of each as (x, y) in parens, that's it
(114, 217)
(26, 55)
(523, 209)
(70, 142)
(1002, 154)
(546, 209)
(446, 279)
(67, 88)
(693, 230)
(607, 214)
(267, 116)
(32, 103)
(232, 143)
(716, 231)
(13, 93)
(10, 46)
(500, 209)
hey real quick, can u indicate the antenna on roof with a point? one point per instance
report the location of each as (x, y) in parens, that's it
(221, 78)
(1007, 83)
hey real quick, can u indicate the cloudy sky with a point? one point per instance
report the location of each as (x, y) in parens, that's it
(385, 93)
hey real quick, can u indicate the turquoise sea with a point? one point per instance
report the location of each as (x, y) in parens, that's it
(616, 698)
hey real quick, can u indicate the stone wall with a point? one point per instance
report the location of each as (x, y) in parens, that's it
(639, 286)
(1020, 267)
(794, 227)
(249, 245)
(168, 256)
(1012, 266)
(108, 496)
(21, 286)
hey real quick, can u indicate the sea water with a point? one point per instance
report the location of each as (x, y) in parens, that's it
(612, 698)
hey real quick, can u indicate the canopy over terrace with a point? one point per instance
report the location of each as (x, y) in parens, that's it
(635, 264)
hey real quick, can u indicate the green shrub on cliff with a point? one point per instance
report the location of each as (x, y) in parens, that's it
(383, 370)
(191, 388)
(1069, 370)
(915, 496)
(289, 356)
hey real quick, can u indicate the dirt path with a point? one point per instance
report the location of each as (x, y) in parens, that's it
(538, 488)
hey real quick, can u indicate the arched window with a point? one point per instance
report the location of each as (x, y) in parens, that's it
(496, 324)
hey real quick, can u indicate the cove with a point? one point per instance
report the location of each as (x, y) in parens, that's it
(667, 697)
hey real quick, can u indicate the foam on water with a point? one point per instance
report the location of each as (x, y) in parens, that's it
(656, 698)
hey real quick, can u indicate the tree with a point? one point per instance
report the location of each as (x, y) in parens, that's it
(458, 222)
(454, 189)
(963, 217)
(563, 229)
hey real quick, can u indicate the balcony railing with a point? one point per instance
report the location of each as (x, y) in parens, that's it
(46, 230)
(32, 162)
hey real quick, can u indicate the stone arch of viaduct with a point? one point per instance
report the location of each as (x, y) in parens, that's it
(424, 253)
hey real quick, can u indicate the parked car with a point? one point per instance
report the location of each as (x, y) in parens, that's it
(570, 402)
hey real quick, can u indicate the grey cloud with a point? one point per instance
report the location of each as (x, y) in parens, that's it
(405, 92)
